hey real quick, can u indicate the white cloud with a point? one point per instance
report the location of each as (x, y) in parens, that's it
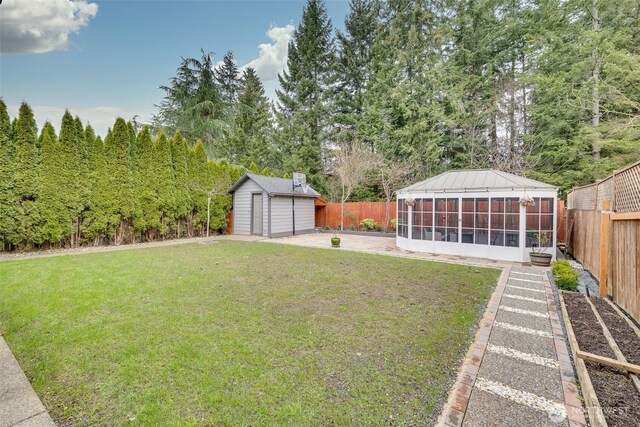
(39, 26)
(273, 56)
(100, 118)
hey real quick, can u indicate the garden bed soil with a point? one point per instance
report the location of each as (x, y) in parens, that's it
(618, 397)
(626, 338)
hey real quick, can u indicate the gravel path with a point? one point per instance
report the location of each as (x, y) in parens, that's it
(519, 372)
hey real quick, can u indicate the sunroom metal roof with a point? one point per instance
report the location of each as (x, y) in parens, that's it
(469, 180)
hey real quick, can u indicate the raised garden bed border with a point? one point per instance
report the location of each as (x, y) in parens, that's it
(593, 406)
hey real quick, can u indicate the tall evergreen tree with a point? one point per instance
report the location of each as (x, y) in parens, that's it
(586, 103)
(98, 222)
(251, 139)
(198, 179)
(227, 77)
(118, 167)
(54, 220)
(149, 215)
(353, 68)
(404, 107)
(303, 116)
(73, 177)
(49, 130)
(25, 179)
(8, 196)
(165, 184)
(192, 104)
(89, 139)
(180, 161)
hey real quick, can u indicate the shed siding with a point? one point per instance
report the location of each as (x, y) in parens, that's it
(242, 208)
(265, 214)
(281, 215)
(305, 214)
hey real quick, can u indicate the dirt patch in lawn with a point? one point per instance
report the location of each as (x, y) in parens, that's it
(616, 393)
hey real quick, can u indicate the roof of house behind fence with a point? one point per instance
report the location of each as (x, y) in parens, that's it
(457, 181)
(275, 186)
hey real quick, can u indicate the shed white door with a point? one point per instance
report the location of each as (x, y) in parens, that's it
(256, 214)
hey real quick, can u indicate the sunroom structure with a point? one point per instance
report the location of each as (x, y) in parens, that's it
(483, 213)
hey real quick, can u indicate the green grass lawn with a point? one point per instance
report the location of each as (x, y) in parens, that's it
(240, 334)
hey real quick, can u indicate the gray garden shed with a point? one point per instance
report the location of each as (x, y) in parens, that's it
(271, 207)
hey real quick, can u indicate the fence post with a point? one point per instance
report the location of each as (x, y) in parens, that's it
(603, 274)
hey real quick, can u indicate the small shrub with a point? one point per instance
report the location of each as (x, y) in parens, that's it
(566, 277)
(394, 223)
(369, 224)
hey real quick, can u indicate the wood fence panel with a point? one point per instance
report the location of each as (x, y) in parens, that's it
(230, 222)
(584, 243)
(624, 265)
(591, 205)
(354, 212)
(561, 228)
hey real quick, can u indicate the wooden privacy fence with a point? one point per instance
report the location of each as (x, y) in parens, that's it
(603, 233)
(328, 214)
(354, 212)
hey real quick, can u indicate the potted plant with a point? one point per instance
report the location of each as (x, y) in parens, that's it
(537, 254)
(335, 241)
(527, 201)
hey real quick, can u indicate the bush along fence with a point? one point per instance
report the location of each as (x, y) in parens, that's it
(354, 213)
(603, 233)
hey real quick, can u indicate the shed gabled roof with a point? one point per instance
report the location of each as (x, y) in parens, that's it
(476, 180)
(275, 186)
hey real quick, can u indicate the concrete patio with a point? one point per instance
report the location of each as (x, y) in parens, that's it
(379, 245)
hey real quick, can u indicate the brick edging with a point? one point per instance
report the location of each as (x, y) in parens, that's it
(572, 402)
(454, 410)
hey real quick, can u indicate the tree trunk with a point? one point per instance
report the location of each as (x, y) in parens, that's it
(493, 130)
(595, 108)
(387, 213)
(512, 117)
(208, 212)
(342, 210)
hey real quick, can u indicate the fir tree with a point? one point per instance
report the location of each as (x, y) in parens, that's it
(227, 78)
(192, 104)
(404, 110)
(251, 133)
(303, 116)
(353, 68)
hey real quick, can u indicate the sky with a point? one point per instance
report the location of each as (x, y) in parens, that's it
(106, 59)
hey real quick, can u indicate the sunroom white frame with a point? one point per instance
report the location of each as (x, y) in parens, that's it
(506, 253)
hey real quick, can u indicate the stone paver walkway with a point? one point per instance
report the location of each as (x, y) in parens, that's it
(518, 371)
(19, 404)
